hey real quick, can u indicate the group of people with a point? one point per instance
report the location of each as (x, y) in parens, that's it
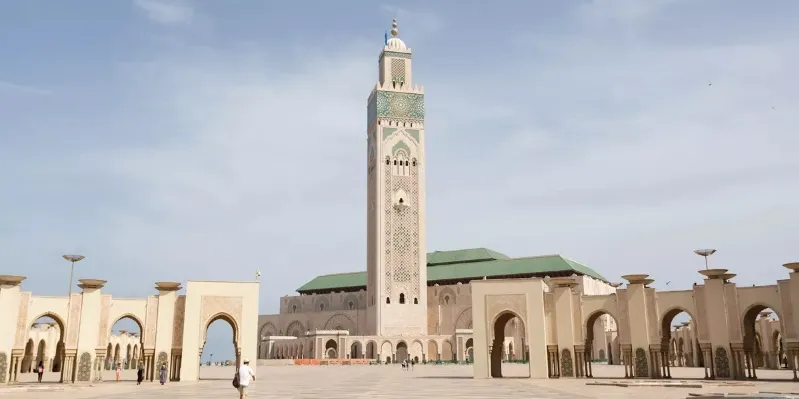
(140, 373)
(407, 364)
(241, 381)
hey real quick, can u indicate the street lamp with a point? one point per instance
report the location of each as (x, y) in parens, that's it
(72, 259)
(705, 253)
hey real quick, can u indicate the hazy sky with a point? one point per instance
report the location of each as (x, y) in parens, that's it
(180, 140)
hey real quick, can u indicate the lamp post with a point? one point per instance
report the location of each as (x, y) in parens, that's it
(72, 259)
(705, 253)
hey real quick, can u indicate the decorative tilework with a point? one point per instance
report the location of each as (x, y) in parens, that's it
(177, 322)
(641, 366)
(340, 322)
(398, 70)
(400, 146)
(400, 105)
(388, 131)
(151, 322)
(85, 367)
(722, 363)
(566, 367)
(396, 54)
(162, 358)
(74, 321)
(229, 305)
(102, 334)
(371, 111)
(413, 133)
(3, 367)
(22, 329)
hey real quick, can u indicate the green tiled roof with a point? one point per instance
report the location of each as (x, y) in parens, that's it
(443, 266)
(463, 256)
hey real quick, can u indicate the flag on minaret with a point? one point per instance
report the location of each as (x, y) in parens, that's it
(385, 38)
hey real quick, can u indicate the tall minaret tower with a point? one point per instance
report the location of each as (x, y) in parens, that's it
(396, 257)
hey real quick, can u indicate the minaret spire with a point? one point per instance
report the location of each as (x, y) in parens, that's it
(394, 31)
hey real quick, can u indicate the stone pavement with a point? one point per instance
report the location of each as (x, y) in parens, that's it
(381, 382)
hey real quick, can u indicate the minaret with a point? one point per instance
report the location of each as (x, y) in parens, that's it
(396, 257)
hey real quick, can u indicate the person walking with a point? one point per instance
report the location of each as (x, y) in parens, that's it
(245, 376)
(40, 370)
(140, 374)
(119, 372)
(162, 374)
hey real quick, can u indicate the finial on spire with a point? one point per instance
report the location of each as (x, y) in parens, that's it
(394, 31)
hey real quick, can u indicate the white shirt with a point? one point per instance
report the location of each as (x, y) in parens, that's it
(245, 373)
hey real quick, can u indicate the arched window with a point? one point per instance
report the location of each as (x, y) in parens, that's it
(294, 309)
(351, 305)
(446, 300)
(415, 301)
(321, 307)
(388, 300)
(402, 298)
(388, 161)
(395, 162)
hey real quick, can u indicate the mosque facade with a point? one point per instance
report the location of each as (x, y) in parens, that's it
(409, 304)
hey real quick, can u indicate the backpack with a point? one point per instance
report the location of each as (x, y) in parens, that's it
(41, 370)
(236, 380)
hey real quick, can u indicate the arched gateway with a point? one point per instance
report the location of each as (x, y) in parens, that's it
(173, 327)
(561, 318)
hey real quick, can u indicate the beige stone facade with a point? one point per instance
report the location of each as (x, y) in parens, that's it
(79, 344)
(731, 334)
(409, 304)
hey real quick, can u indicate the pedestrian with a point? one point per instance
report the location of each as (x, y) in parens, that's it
(245, 376)
(140, 374)
(40, 370)
(119, 372)
(162, 374)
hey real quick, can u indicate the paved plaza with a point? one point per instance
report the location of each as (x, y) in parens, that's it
(339, 382)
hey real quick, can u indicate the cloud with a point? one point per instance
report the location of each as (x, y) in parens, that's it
(167, 12)
(16, 89)
(615, 153)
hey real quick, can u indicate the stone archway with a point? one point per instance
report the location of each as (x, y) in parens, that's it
(331, 349)
(230, 320)
(498, 342)
(401, 352)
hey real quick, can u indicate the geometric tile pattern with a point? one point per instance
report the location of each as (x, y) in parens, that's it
(400, 105)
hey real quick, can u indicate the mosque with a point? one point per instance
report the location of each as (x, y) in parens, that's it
(408, 304)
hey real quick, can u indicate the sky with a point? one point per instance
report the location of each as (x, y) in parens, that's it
(205, 140)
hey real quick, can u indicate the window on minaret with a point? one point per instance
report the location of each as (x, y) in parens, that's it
(402, 298)
(388, 300)
(415, 301)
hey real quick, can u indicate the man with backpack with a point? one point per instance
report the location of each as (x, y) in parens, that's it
(243, 377)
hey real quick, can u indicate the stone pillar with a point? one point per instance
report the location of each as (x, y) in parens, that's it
(637, 310)
(87, 332)
(10, 304)
(565, 330)
(165, 319)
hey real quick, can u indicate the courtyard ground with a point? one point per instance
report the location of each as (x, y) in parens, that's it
(339, 382)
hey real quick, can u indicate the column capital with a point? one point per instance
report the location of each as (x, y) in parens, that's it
(713, 274)
(89, 283)
(167, 286)
(794, 266)
(10, 281)
(635, 278)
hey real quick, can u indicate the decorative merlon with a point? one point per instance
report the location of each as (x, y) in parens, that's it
(10, 281)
